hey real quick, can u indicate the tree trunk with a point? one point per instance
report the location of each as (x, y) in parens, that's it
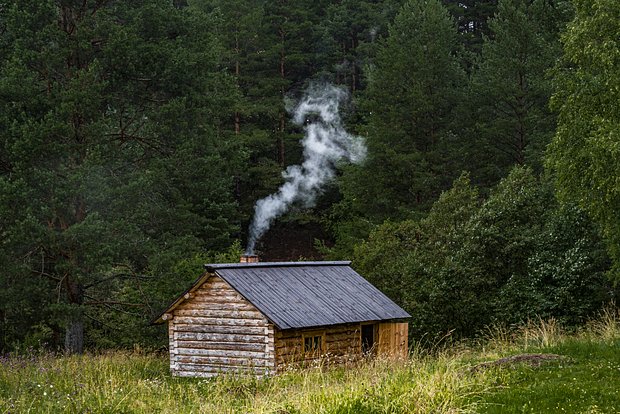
(74, 332)
(281, 148)
(74, 335)
(353, 64)
(237, 73)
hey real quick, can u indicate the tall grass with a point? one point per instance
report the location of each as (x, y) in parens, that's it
(426, 382)
(137, 383)
(583, 379)
(537, 334)
(607, 325)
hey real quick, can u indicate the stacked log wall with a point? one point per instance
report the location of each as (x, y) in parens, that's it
(342, 344)
(216, 330)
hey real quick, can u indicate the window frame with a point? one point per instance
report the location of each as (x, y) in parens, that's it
(312, 335)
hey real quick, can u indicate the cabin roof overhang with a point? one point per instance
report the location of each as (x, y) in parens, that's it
(297, 295)
(161, 318)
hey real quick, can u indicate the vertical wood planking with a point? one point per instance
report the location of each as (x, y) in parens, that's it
(393, 340)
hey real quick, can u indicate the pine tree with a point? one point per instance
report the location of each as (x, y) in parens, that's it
(507, 104)
(352, 29)
(413, 86)
(472, 20)
(111, 152)
(272, 52)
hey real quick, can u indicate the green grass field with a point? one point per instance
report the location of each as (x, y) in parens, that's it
(588, 381)
(584, 378)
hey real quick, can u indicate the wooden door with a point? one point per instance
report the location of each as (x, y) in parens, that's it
(393, 339)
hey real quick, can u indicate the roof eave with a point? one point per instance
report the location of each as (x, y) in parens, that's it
(180, 299)
(214, 267)
(346, 323)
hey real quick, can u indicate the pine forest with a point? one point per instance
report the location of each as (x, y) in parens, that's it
(464, 155)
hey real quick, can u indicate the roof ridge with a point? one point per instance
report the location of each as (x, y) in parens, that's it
(215, 266)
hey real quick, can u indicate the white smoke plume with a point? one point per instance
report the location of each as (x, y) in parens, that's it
(325, 142)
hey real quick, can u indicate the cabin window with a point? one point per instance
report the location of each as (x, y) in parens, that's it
(368, 338)
(313, 343)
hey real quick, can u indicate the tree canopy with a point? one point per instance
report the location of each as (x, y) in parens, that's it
(136, 138)
(584, 154)
(112, 158)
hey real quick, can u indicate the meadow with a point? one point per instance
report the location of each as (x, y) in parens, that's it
(534, 368)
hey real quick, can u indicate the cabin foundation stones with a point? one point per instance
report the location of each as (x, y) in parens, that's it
(260, 318)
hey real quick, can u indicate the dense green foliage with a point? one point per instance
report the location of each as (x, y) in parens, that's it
(135, 138)
(509, 92)
(585, 151)
(108, 131)
(413, 85)
(515, 256)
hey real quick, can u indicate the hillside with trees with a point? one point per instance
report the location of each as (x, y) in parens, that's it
(136, 138)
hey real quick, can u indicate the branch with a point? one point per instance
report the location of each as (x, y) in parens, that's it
(103, 323)
(115, 276)
(113, 302)
(96, 282)
(42, 273)
(109, 306)
(141, 79)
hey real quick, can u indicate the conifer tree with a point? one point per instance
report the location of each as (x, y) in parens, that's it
(472, 20)
(409, 103)
(507, 103)
(352, 29)
(111, 153)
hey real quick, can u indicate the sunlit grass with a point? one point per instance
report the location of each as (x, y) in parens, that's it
(584, 380)
(129, 382)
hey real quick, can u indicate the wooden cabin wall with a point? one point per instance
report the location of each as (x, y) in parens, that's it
(216, 330)
(342, 344)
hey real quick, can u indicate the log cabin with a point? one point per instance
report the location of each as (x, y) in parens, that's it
(260, 318)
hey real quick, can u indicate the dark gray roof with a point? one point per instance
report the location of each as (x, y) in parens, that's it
(308, 294)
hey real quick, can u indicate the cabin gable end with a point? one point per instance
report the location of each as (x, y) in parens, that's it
(216, 330)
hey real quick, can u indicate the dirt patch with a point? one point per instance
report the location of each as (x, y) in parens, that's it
(533, 360)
